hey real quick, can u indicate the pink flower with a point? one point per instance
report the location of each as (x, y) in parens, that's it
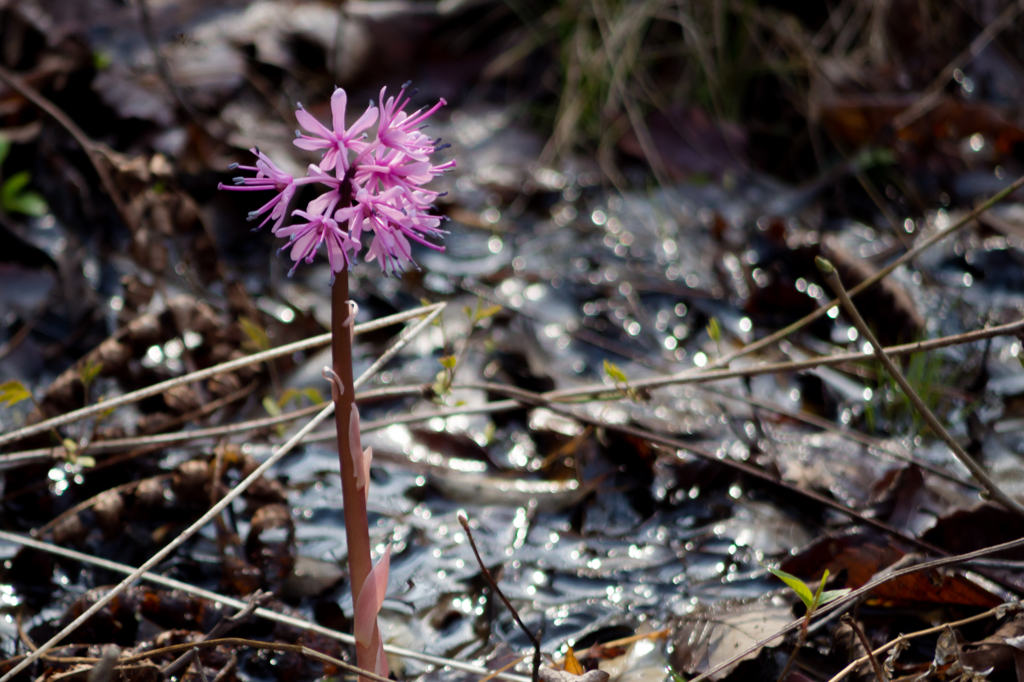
(268, 176)
(377, 186)
(393, 216)
(398, 130)
(306, 238)
(337, 142)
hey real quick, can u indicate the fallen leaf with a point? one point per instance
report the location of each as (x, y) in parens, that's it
(552, 675)
(863, 556)
(710, 636)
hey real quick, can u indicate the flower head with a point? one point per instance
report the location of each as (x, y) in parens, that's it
(376, 186)
(401, 131)
(306, 238)
(268, 176)
(339, 141)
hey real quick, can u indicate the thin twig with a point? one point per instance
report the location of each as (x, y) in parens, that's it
(199, 664)
(801, 639)
(19, 336)
(161, 66)
(680, 446)
(403, 339)
(223, 626)
(273, 616)
(25, 457)
(158, 388)
(90, 147)
(253, 644)
(378, 424)
(855, 436)
(497, 590)
(86, 504)
(857, 630)
(173, 584)
(692, 377)
(913, 635)
(980, 475)
(934, 91)
(857, 594)
(875, 278)
(710, 373)
(569, 395)
(228, 671)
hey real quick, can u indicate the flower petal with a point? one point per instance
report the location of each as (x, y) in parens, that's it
(309, 122)
(311, 143)
(339, 100)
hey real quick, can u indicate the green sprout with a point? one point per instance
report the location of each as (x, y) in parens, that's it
(443, 381)
(256, 336)
(812, 600)
(715, 332)
(13, 392)
(275, 408)
(480, 314)
(88, 372)
(14, 197)
(621, 381)
(72, 456)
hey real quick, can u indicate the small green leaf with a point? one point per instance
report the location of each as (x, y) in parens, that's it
(5, 148)
(616, 374)
(13, 392)
(795, 584)
(442, 385)
(823, 596)
(272, 407)
(89, 371)
(448, 361)
(13, 185)
(714, 331)
(313, 395)
(875, 156)
(71, 448)
(288, 395)
(256, 335)
(831, 595)
(28, 203)
(817, 592)
(438, 321)
(101, 60)
(491, 311)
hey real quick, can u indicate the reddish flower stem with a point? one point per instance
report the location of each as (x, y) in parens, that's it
(357, 529)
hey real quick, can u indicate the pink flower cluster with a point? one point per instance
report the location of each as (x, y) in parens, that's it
(372, 185)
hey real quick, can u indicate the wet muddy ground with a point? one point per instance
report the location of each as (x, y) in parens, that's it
(628, 464)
